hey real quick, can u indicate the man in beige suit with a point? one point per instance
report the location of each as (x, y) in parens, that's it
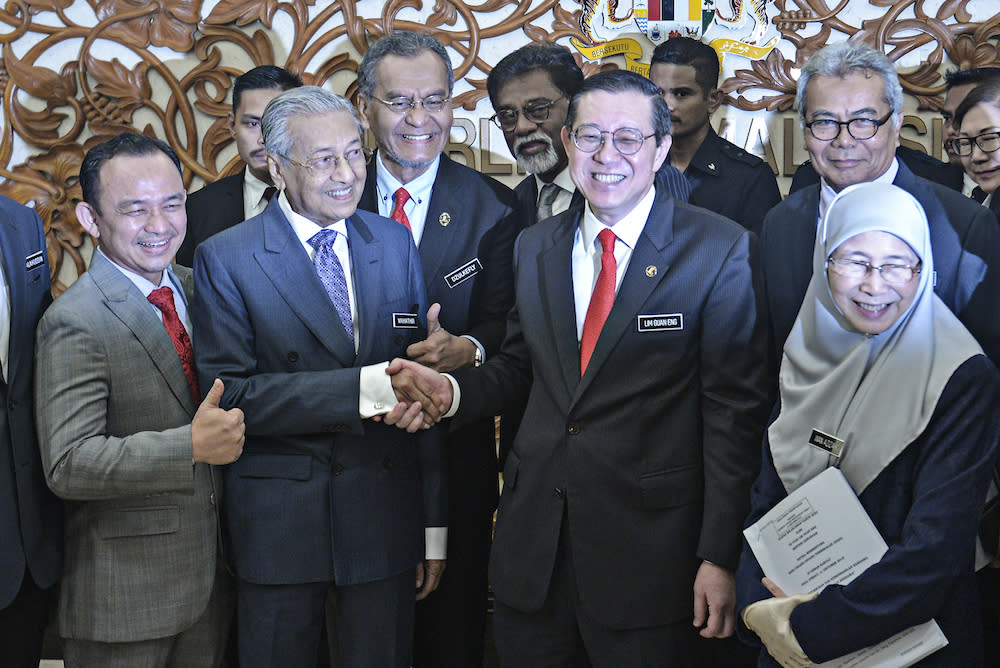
(122, 435)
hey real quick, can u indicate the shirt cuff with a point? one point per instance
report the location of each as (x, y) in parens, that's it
(482, 351)
(436, 542)
(456, 396)
(376, 396)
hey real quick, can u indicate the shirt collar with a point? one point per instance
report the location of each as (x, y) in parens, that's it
(304, 228)
(627, 229)
(827, 193)
(419, 188)
(253, 187)
(563, 180)
(145, 285)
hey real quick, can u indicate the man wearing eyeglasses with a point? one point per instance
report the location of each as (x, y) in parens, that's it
(723, 177)
(464, 224)
(850, 101)
(530, 90)
(298, 310)
(638, 342)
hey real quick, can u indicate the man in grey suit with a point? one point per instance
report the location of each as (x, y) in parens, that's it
(299, 310)
(122, 435)
(30, 516)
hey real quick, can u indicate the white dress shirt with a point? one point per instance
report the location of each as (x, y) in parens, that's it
(253, 195)
(419, 188)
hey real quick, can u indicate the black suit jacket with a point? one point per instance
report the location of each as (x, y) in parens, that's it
(31, 518)
(964, 238)
(650, 455)
(216, 207)
(732, 182)
(472, 220)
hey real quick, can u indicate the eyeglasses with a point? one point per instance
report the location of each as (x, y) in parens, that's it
(827, 129)
(536, 112)
(403, 105)
(893, 274)
(627, 141)
(988, 142)
(327, 164)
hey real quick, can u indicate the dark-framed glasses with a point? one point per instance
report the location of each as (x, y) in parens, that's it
(827, 129)
(327, 164)
(536, 112)
(893, 274)
(627, 141)
(403, 105)
(988, 142)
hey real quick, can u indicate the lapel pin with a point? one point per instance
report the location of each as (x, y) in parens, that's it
(711, 166)
(444, 219)
(651, 270)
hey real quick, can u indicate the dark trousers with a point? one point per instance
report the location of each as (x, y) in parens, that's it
(988, 580)
(450, 624)
(280, 626)
(22, 625)
(562, 635)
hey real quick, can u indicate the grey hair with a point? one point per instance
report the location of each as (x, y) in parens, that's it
(843, 58)
(302, 101)
(403, 43)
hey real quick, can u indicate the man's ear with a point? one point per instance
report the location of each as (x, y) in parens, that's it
(87, 216)
(714, 98)
(275, 172)
(231, 122)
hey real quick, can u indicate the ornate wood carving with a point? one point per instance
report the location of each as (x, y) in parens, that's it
(74, 73)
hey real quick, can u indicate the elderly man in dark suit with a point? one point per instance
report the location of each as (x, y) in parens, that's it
(30, 516)
(122, 435)
(232, 199)
(464, 224)
(638, 340)
(850, 100)
(298, 310)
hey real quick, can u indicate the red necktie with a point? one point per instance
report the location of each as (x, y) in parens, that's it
(402, 197)
(163, 299)
(601, 300)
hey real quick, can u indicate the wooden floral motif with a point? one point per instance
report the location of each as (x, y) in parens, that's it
(74, 73)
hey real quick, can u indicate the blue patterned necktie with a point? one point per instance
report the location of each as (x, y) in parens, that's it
(331, 273)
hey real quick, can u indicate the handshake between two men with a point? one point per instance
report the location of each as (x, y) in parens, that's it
(423, 393)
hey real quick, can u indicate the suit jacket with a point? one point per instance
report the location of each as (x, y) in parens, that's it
(216, 207)
(732, 182)
(650, 455)
(964, 237)
(114, 424)
(30, 515)
(319, 494)
(921, 164)
(483, 221)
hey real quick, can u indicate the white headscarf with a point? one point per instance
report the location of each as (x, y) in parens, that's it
(876, 393)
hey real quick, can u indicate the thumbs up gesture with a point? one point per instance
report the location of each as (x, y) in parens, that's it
(217, 435)
(441, 350)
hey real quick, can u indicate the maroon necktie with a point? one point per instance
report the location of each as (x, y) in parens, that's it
(269, 193)
(402, 197)
(163, 299)
(602, 299)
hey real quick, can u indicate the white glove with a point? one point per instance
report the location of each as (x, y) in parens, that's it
(769, 619)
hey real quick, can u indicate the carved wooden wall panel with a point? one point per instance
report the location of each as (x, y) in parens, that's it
(74, 73)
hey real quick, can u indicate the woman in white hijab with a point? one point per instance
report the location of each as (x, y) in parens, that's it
(877, 360)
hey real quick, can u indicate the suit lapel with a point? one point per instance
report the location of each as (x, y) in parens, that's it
(437, 238)
(14, 269)
(555, 284)
(133, 310)
(287, 266)
(366, 258)
(648, 257)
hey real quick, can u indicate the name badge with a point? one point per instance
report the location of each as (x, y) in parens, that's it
(827, 443)
(405, 320)
(661, 323)
(464, 273)
(34, 260)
